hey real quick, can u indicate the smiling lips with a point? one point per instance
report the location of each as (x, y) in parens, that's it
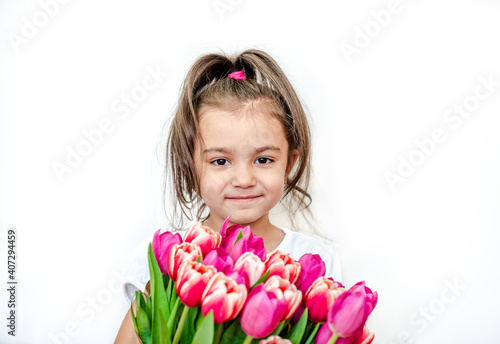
(243, 198)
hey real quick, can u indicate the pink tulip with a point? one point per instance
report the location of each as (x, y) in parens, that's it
(320, 296)
(249, 242)
(324, 334)
(312, 268)
(180, 253)
(275, 340)
(220, 260)
(203, 236)
(348, 314)
(262, 312)
(252, 266)
(283, 265)
(292, 296)
(224, 296)
(192, 278)
(161, 245)
(361, 337)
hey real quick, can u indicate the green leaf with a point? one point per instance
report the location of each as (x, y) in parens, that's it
(143, 326)
(297, 331)
(158, 297)
(279, 328)
(165, 337)
(205, 334)
(189, 330)
(262, 279)
(234, 334)
(312, 335)
(173, 316)
(132, 313)
(240, 235)
(170, 284)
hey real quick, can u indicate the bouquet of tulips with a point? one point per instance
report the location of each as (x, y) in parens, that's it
(222, 288)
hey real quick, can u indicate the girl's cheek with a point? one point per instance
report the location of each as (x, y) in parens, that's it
(214, 183)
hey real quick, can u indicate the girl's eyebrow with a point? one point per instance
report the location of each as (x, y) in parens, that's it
(226, 150)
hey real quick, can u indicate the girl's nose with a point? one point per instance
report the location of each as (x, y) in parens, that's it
(243, 177)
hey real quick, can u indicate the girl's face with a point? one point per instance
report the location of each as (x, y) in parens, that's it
(242, 164)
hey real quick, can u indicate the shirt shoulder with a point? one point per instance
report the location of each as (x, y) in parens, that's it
(297, 244)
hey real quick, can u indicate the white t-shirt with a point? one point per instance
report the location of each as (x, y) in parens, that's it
(136, 274)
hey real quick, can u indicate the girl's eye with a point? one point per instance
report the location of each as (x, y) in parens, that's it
(264, 161)
(220, 162)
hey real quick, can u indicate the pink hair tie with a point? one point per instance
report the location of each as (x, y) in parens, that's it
(237, 75)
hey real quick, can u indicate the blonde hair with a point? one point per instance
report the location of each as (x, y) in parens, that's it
(207, 85)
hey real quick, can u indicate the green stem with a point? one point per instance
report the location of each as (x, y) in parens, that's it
(247, 340)
(333, 339)
(181, 325)
(218, 335)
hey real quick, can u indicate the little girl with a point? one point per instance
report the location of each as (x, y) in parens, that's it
(239, 144)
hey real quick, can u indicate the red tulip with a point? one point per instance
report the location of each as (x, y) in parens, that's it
(161, 245)
(203, 236)
(320, 296)
(192, 278)
(312, 268)
(252, 266)
(366, 337)
(220, 260)
(180, 253)
(262, 312)
(275, 340)
(283, 265)
(348, 314)
(292, 296)
(248, 242)
(224, 296)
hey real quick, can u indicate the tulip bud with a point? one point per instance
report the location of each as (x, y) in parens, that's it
(262, 312)
(224, 297)
(220, 260)
(192, 278)
(203, 236)
(248, 242)
(252, 266)
(320, 296)
(275, 340)
(161, 245)
(348, 314)
(283, 265)
(292, 296)
(312, 268)
(180, 253)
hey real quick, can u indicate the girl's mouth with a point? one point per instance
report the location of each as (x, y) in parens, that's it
(243, 199)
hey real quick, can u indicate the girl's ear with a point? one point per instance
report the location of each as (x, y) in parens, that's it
(291, 162)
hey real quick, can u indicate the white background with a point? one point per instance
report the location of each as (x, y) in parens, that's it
(439, 226)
